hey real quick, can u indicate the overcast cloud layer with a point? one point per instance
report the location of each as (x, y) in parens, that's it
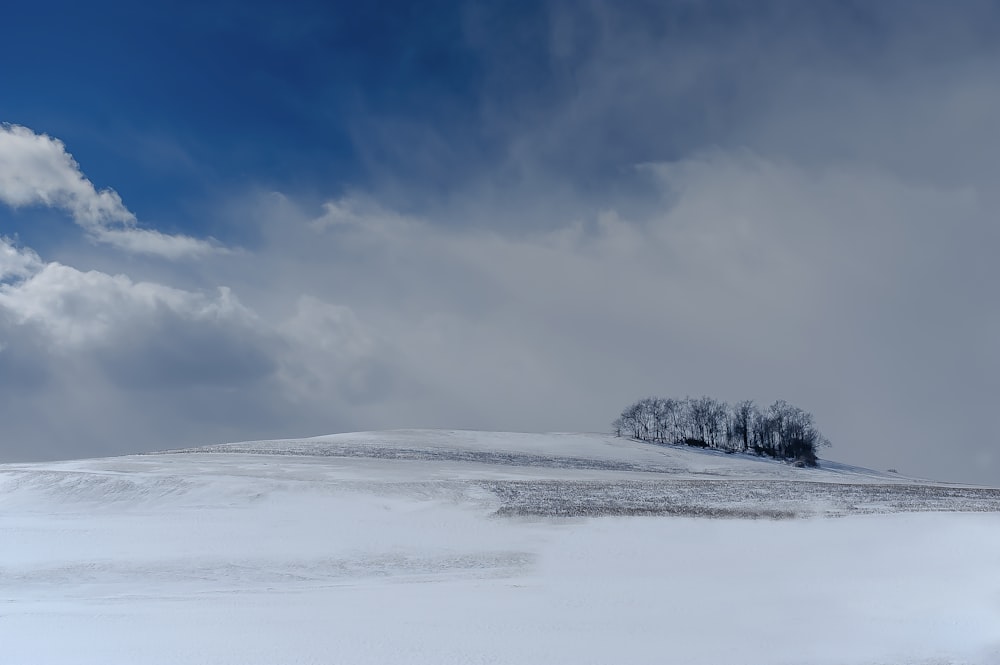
(768, 204)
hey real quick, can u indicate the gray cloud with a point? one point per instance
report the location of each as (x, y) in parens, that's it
(814, 214)
(839, 289)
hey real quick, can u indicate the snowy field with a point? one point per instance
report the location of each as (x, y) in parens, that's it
(466, 547)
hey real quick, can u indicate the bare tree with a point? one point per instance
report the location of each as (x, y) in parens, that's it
(666, 417)
(742, 421)
(782, 431)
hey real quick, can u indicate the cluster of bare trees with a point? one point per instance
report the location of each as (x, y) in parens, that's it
(781, 430)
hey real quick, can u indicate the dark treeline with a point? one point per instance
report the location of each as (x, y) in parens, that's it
(781, 430)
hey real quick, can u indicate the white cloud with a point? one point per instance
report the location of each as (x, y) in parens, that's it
(16, 263)
(135, 365)
(36, 169)
(78, 309)
(148, 241)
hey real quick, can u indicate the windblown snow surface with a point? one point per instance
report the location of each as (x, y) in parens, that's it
(473, 547)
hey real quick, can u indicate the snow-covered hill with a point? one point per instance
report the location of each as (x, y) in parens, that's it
(455, 547)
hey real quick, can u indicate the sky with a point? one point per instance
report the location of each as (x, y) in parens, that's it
(225, 221)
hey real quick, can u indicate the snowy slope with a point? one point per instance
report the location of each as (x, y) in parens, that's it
(464, 547)
(555, 450)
